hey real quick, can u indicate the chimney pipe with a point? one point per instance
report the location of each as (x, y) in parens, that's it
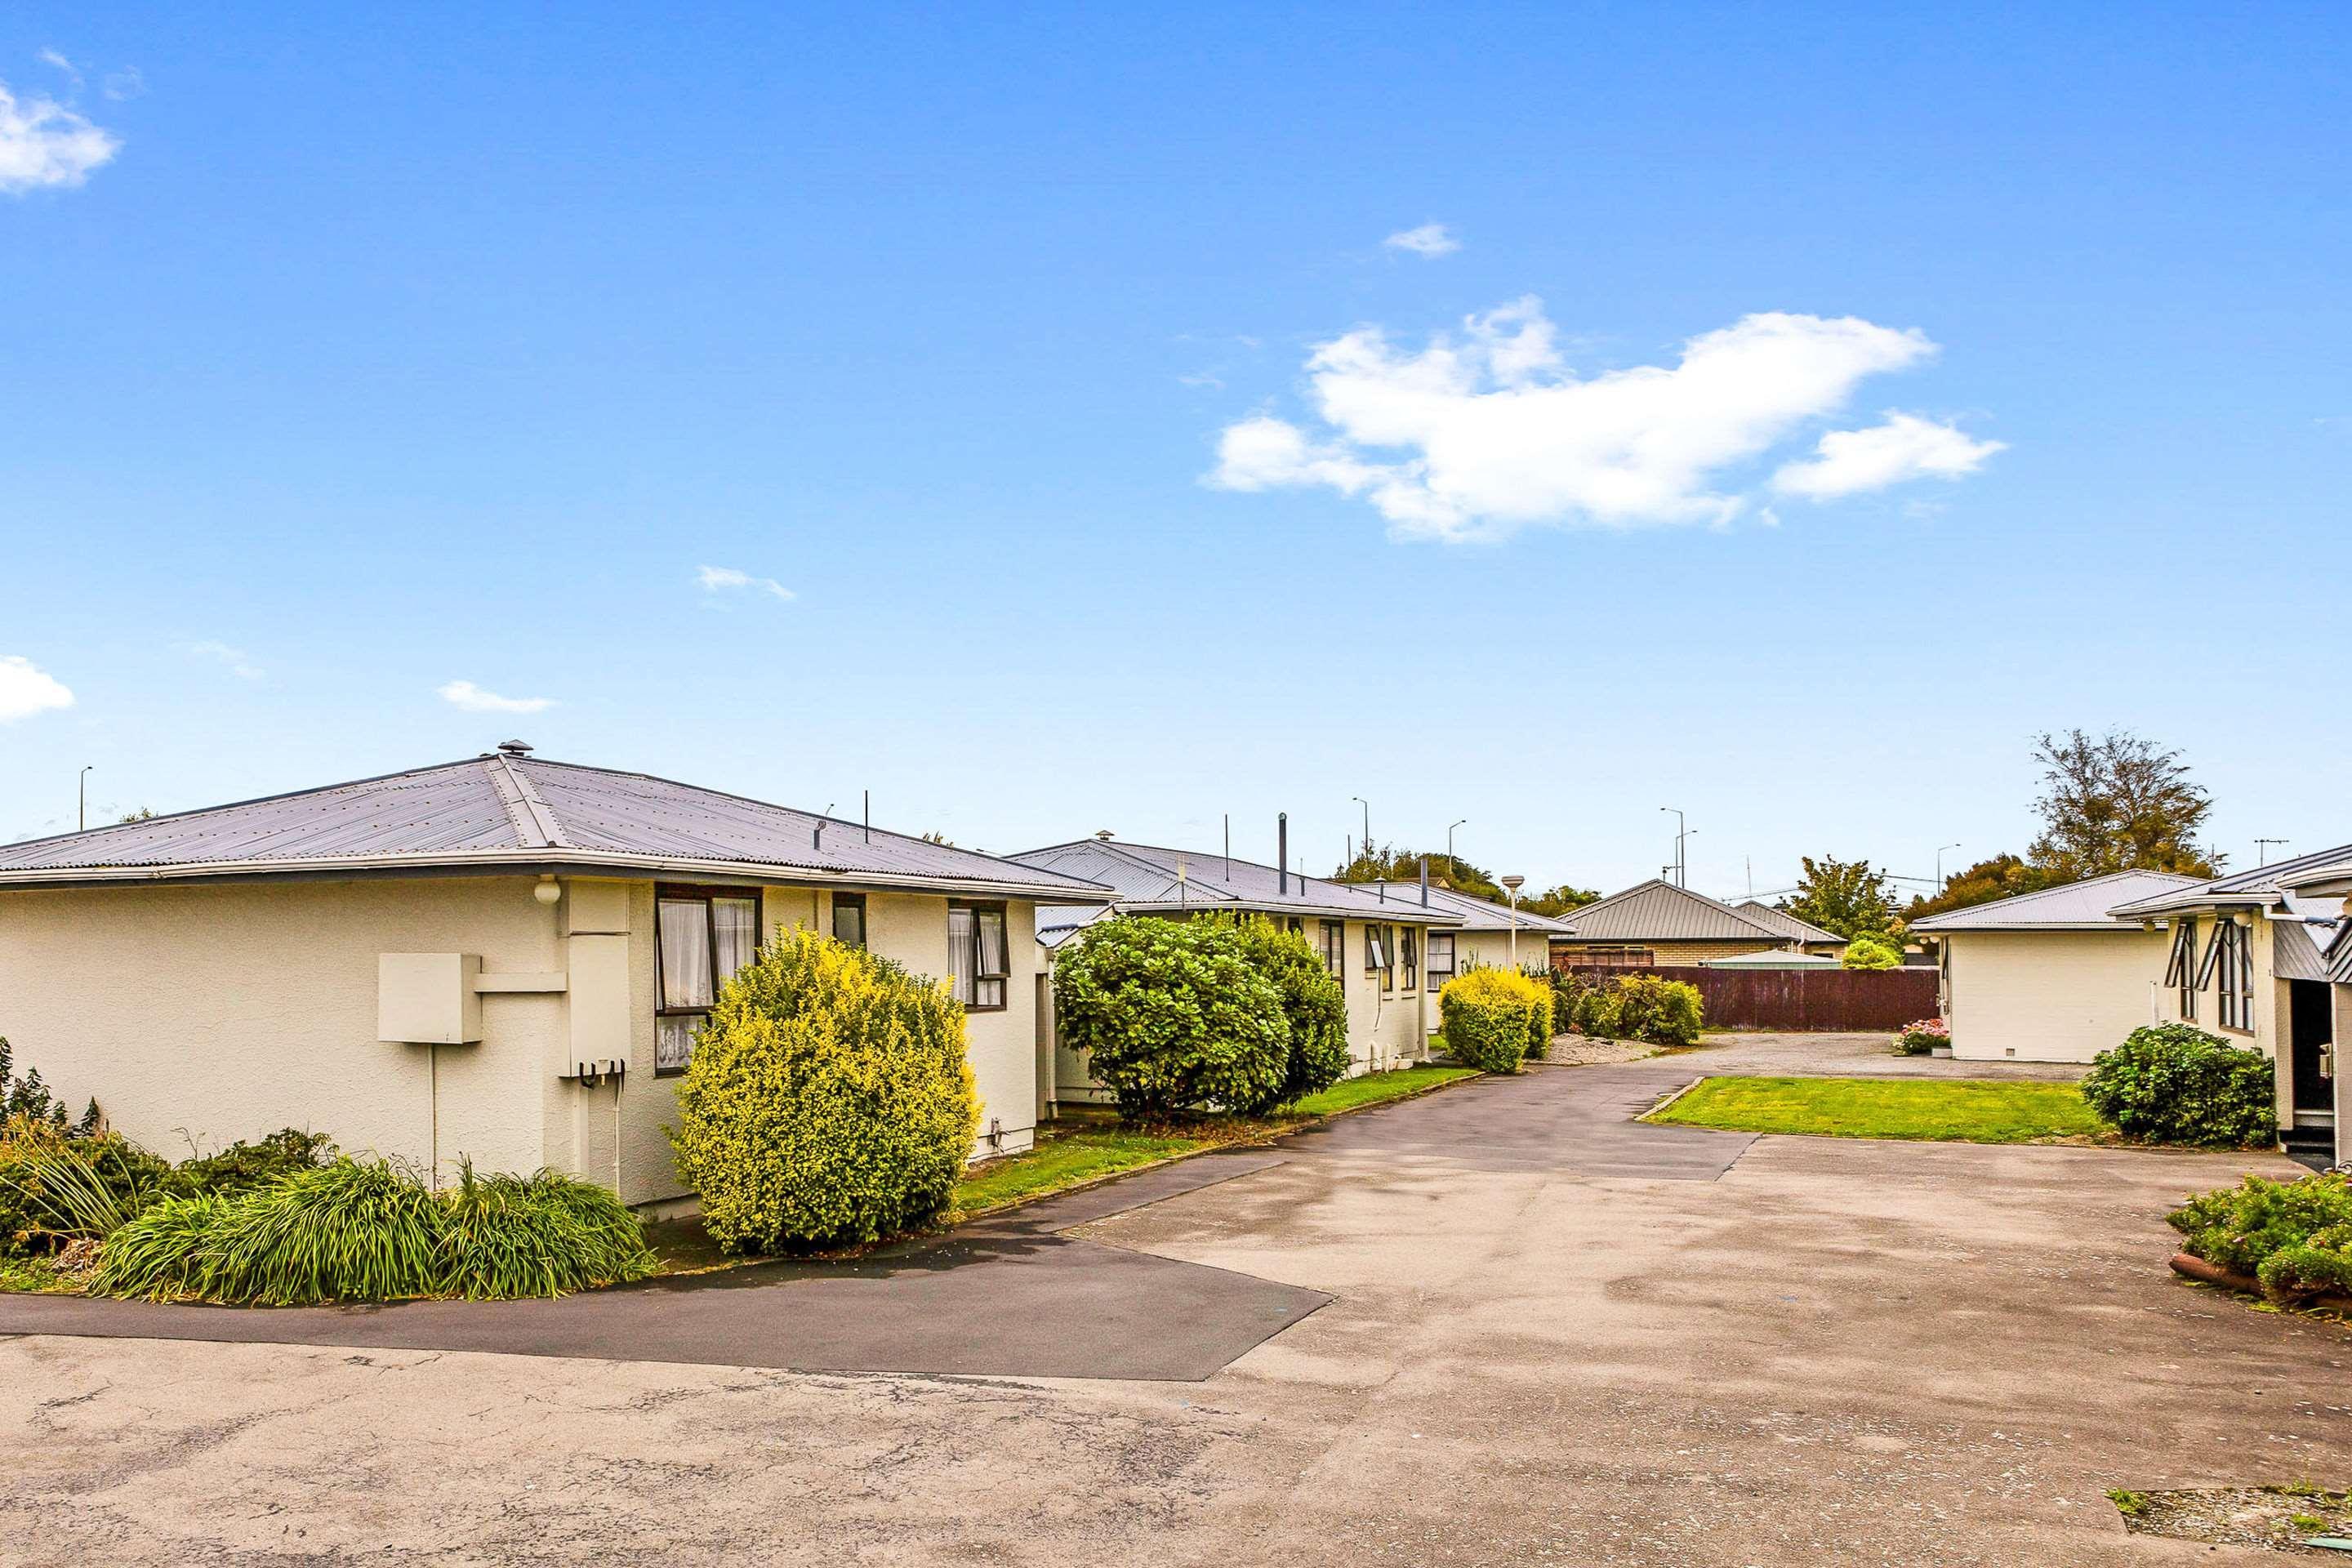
(1282, 851)
(1424, 881)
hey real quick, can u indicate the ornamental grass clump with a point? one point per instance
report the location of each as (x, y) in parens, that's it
(1173, 1016)
(1494, 1017)
(828, 1100)
(546, 1233)
(2174, 1083)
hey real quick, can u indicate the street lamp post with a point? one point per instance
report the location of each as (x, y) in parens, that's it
(81, 800)
(1682, 831)
(1452, 876)
(1939, 864)
(1514, 883)
(1360, 800)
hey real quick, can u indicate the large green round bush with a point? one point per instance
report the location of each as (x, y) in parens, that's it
(1313, 1005)
(2174, 1083)
(828, 1100)
(1171, 1015)
(1872, 951)
(1657, 1011)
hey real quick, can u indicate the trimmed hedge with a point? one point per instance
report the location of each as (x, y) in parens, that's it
(828, 1100)
(1313, 1006)
(1493, 1018)
(2174, 1083)
(2294, 1237)
(1173, 1016)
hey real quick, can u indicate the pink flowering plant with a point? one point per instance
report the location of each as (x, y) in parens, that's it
(1919, 1039)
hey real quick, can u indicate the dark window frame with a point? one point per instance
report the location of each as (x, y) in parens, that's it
(1409, 957)
(1375, 958)
(1431, 969)
(2229, 966)
(707, 894)
(2181, 970)
(1334, 936)
(844, 903)
(1004, 982)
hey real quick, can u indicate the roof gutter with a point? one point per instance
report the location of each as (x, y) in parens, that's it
(542, 862)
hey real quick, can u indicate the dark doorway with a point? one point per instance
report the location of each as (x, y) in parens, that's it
(2309, 1028)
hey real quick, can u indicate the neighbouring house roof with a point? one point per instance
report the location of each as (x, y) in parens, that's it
(1783, 922)
(1657, 910)
(2328, 874)
(2263, 885)
(2339, 954)
(2087, 905)
(1152, 880)
(509, 811)
(2296, 948)
(1479, 914)
(1773, 958)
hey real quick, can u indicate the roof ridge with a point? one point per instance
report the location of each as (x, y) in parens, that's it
(532, 817)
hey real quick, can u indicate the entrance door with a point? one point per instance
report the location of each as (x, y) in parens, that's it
(2309, 1027)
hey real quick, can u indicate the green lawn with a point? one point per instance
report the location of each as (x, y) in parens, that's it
(1081, 1149)
(1974, 1111)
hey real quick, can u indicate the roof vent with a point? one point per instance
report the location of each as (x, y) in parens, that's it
(514, 748)
(1105, 834)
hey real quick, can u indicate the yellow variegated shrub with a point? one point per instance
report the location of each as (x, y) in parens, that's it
(828, 1100)
(1494, 1019)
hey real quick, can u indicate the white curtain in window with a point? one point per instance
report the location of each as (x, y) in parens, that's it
(674, 1041)
(736, 924)
(685, 934)
(960, 946)
(991, 943)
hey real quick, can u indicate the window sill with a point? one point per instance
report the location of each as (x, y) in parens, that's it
(991, 1008)
(669, 1072)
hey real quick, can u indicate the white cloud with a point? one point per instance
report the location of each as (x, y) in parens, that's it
(725, 579)
(1431, 239)
(474, 699)
(125, 84)
(234, 658)
(52, 58)
(1486, 431)
(43, 143)
(25, 690)
(1906, 448)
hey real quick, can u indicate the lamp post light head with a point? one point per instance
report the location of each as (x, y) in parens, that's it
(1515, 882)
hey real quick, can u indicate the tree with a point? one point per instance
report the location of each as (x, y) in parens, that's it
(1555, 901)
(1848, 896)
(2117, 803)
(1390, 864)
(2003, 876)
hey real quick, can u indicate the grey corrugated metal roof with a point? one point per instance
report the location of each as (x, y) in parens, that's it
(2087, 905)
(1773, 958)
(1657, 910)
(2339, 953)
(1147, 877)
(2263, 885)
(1479, 914)
(2294, 950)
(1784, 922)
(500, 809)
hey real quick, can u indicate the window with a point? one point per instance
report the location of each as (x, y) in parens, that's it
(702, 936)
(2230, 965)
(1335, 947)
(2181, 972)
(849, 918)
(1441, 959)
(1293, 923)
(976, 955)
(1611, 958)
(1376, 957)
(1407, 946)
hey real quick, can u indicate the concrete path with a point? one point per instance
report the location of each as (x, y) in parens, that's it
(1012, 1297)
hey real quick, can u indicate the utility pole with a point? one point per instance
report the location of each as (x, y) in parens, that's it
(2262, 852)
(1682, 832)
(81, 800)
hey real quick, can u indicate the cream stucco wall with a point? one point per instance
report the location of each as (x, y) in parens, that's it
(2049, 996)
(200, 1015)
(1490, 950)
(2270, 1002)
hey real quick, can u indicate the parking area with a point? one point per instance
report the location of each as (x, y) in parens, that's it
(1552, 1336)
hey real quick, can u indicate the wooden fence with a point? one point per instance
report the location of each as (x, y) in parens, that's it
(1800, 999)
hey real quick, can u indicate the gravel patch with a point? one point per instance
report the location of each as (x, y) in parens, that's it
(1581, 1051)
(2272, 1519)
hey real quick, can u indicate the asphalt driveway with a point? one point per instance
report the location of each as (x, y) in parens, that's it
(1538, 1349)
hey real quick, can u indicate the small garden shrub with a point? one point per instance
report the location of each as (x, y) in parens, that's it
(1597, 1013)
(28, 1099)
(1659, 1012)
(244, 1165)
(1870, 951)
(2294, 1237)
(828, 1100)
(1921, 1038)
(2174, 1083)
(370, 1230)
(1173, 1016)
(1569, 990)
(1313, 1005)
(1492, 1018)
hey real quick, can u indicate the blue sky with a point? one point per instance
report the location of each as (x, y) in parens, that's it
(352, 357)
